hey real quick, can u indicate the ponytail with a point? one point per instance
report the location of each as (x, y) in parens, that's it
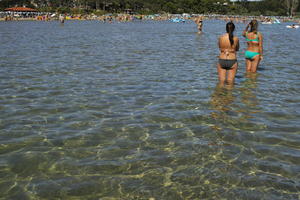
(231, 38)
(229, 29)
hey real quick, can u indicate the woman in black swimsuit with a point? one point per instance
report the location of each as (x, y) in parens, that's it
(228, 45)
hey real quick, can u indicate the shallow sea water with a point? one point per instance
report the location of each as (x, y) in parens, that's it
(92, 110)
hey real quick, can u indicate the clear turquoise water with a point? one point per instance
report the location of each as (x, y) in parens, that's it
(133, 111)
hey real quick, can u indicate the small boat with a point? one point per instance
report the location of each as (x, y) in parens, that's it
(276, 21)
(266, 22)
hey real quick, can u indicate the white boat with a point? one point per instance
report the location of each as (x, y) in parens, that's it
(266, 22)
(276, 21)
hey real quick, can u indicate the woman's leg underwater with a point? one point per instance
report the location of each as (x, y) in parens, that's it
(221, 73)
(232, 73)
(255, 63)
(248, 65)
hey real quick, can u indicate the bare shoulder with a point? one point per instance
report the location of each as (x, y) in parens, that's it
(222, 36)
(220, 39)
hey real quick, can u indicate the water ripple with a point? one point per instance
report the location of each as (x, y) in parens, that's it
(133, 110)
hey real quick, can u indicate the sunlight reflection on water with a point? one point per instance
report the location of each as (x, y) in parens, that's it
(134, 111)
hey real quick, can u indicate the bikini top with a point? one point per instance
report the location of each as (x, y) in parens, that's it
(252, 40)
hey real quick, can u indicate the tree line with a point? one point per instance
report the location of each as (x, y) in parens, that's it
(241, 7)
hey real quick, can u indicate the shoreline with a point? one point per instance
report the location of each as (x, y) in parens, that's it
(165, 17)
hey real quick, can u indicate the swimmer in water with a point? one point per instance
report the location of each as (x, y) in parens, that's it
(228, 45)
(254, 53)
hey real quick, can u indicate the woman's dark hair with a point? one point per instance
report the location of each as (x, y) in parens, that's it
(229, 29)
(253, 26)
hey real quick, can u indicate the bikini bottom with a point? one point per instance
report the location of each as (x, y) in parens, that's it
(250, 54)
(227, 64)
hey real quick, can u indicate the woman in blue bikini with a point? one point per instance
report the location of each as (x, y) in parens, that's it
(254, 53)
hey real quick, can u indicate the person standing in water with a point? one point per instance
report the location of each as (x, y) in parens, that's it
(61, 18)
(199, 23)
(254, 53)
(228, 45)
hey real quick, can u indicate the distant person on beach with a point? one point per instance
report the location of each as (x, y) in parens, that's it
(199, 22)
(228, 45)
(254, 53)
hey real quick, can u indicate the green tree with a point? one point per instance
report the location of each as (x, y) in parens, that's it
(275, 7)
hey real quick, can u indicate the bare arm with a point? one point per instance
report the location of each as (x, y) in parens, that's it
(246, 30)
(260, 37)
(237, 48)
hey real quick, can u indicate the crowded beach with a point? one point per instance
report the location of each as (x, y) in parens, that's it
(21, 14)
